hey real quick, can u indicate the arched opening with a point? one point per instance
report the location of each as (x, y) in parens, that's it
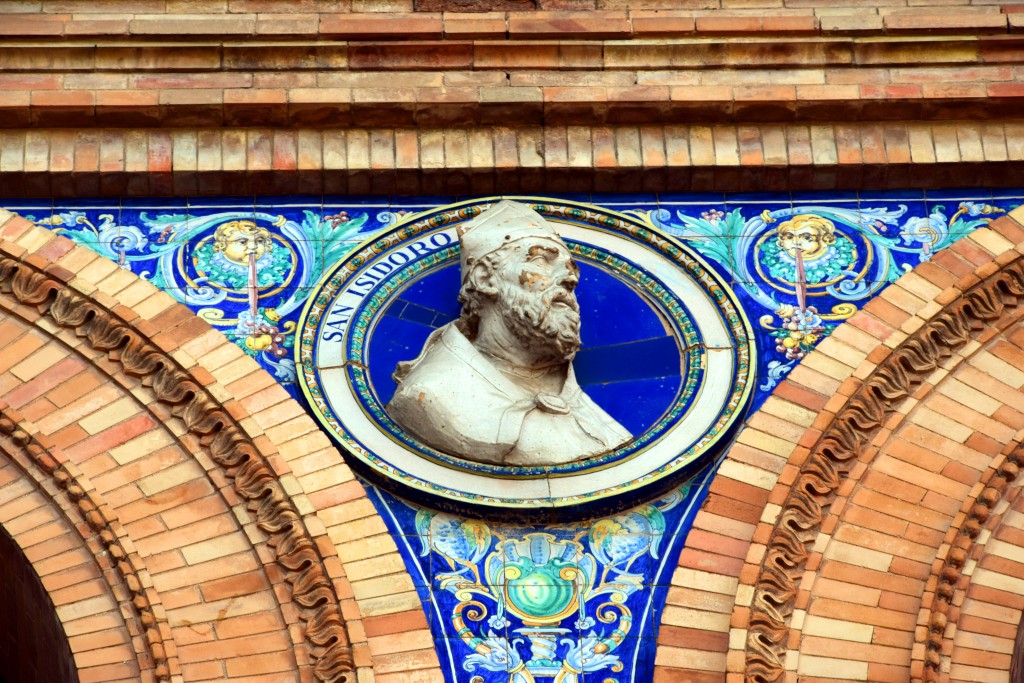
(33, 645)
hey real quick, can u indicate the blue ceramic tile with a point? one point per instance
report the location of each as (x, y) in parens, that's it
(644, 359)
(415, 313)
(961, 215)
(673, 198)
(88, 226)
(636, 404)
(34, 213)
(87, 204)
(757, 198)
(207, 205)
(876, 196)
(635, 391)
(578, 197)
(169, 203)
(27, 201)
(396, 340)
(606, 298)
(273, 201)
(19, 206)
(617, 201)
(810, 205)
(382, 201)
(968, 193)
(701, 224)
(420, 202)
(1008, 204)
(828, 197)
(439, 292)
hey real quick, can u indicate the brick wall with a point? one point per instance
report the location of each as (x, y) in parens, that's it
(884, 581)
(893, 451)
(376, 97)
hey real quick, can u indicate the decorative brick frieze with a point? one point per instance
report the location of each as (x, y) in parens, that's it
(208, 161)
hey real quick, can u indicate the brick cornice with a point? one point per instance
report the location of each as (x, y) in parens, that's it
(599, 67)
(281, 22)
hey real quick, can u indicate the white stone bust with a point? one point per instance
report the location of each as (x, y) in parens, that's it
(497, 385)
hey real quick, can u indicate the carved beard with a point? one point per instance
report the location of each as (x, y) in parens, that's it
(539, 321)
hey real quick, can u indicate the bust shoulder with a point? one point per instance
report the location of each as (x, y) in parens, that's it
(446, 400)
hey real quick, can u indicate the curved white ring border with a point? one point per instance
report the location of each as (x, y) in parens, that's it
(584, 485)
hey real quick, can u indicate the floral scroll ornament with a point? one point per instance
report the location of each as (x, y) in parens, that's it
(811, 266)
(544, 605)
(103, 234)
(244, 272)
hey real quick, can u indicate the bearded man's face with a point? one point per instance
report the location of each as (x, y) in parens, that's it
(536, 300)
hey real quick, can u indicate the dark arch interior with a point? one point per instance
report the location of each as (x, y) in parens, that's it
(33, 646)
(1017, 663)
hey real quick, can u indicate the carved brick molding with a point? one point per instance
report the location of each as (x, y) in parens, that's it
(847, 439)
(252, 477)
(948, 580)
(1017, 664)
(129, 569)
(365, 69)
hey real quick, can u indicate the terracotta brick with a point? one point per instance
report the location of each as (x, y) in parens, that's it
(24, 81)
(367, 26)
(792, 25)
(203, 25)
(394, 623)
(718, 25)
(575, 25)
(851, 23)
(938, 23)
(710, 562)
(286, 24)
(654, 23)
(33, 25)
(476, 25)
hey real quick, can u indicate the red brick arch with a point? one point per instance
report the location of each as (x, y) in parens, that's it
(208, 502)
(846, 532)
(54, 514)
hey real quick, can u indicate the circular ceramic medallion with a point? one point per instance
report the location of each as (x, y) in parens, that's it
(666, 352)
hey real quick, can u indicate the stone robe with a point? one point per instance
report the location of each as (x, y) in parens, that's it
(455, 400)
